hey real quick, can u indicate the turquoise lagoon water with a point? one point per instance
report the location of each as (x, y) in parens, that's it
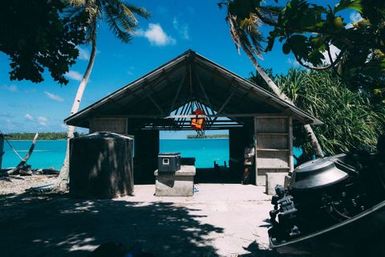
(50, 153)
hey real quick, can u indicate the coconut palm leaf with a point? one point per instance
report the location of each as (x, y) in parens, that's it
(121, 18)
(350, 119)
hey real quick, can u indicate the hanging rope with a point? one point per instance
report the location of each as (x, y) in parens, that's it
(11, 146)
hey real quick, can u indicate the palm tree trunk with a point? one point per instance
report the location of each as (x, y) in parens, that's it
(309, 130)
(63, 179)
(314, 141)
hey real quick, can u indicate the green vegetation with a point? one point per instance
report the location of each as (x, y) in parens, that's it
(244, 20)
(219, 136)
(38, 37)
(351, 121)
(318, 36)
(42, 136)
(41, 35)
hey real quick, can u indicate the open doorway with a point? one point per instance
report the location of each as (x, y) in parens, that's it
(211, 153)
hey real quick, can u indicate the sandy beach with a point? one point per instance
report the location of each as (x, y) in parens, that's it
(18, 184)
(219, 220)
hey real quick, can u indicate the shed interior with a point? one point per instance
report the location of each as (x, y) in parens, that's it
(165, 98)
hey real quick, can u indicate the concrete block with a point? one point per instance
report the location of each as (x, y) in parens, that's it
(261, 180)
(287, 181)
(180, 183)
(273, 179)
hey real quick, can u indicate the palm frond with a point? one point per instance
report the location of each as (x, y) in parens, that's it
(142, 12)
(77, 2)
(118, 24)
(245, 32)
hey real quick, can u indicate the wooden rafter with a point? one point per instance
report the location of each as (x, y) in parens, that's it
(204, 92)
(177, 92)
(225, 103)
(156, 104)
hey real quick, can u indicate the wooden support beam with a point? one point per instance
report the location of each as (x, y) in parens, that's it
(190, 79)
(224, 104)
(187, 110)
(204, 92)
(177, 92)
(222, 127)
(156, 104)
(217, 122)
(255, 149)
(222, 115)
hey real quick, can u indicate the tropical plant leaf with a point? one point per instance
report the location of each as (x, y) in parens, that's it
(348, 4)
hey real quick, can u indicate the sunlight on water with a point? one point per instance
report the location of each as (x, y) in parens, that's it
(50, 153)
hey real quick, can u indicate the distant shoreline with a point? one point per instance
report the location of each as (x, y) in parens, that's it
(42, 136)
(60, 139)
(63, 139)
(219, 136)
(63, 136)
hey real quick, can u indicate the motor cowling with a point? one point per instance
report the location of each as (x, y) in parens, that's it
(327, 191)
(322, 190)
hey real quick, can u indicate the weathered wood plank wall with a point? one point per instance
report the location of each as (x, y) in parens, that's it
(117, 125)
(273, 140)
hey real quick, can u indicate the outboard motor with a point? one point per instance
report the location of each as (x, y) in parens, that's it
(326, 191)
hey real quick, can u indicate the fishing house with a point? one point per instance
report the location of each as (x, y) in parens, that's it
(189, 89)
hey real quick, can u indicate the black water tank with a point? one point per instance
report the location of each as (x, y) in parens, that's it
(101, 165)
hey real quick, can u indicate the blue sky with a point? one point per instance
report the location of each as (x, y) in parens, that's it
(174, 27)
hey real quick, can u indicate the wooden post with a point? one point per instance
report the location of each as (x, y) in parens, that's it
(291, 158)
(255, 150)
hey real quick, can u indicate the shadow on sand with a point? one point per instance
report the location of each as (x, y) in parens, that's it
(56, 225)
(256, 251)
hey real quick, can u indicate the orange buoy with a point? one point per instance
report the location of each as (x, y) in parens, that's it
(197, 123)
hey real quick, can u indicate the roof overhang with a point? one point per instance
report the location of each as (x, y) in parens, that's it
(188, 77)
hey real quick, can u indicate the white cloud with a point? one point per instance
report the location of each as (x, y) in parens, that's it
(28, 116)
(84, 54)
(11, 88)
(42, 120)
(74, 75)
(53, 96)
(156, 35)
(183, 29)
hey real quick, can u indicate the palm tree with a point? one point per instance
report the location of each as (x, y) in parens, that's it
(351, 121)
(121, 18)
(244, 18)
